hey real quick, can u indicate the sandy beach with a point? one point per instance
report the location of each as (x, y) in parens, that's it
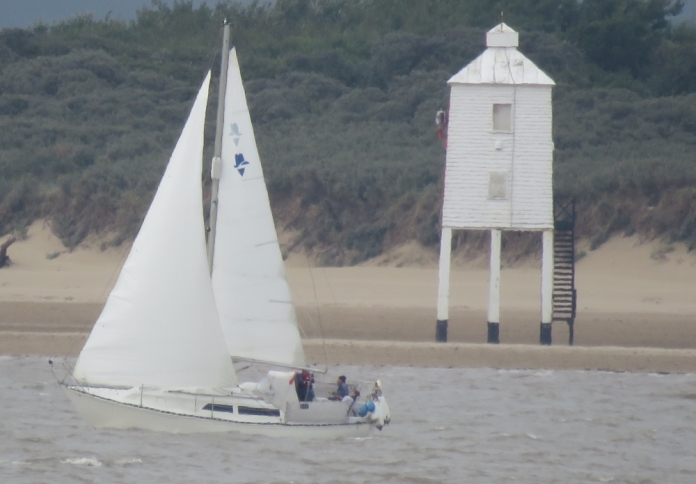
(637, 310)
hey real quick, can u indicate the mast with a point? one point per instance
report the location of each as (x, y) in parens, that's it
(216, 166)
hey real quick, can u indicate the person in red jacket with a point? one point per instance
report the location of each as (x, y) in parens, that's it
(304, 384)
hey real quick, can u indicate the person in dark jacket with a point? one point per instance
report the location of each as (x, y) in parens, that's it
(304, 384)
(342, 389)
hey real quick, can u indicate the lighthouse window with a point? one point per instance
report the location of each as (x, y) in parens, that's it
(497, 185)
(502, 117)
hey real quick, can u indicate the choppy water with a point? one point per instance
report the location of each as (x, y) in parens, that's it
(452, 425)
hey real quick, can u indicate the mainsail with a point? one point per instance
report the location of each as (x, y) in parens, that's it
(160, 325)
(251, 291)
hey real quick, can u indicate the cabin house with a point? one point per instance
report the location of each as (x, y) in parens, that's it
(498, 173)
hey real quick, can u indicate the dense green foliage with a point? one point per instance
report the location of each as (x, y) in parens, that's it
(343, 94)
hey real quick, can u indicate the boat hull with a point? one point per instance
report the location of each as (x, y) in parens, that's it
(105, 413)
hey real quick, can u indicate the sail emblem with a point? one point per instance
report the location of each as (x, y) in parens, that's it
(240, 163)
(235, 133)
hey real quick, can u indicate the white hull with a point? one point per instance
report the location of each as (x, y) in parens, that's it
(105, 413)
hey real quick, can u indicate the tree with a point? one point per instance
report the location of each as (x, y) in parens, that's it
(4, 259)
(622, 35)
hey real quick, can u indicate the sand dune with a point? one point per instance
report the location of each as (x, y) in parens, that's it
(631, 294)
(44, 270)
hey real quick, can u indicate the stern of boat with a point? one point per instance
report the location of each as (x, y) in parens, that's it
(378, 408)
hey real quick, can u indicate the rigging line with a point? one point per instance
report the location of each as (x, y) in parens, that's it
(309, 318)
(316, 300)
(333, 299)
(326, 278)
(216, 52)
(295, 296)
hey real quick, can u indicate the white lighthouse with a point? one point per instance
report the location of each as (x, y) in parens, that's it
(498, 173)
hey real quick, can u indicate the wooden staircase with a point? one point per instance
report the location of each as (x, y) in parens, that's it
(564, 293)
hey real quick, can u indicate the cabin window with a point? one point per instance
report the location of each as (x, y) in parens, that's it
(502, 118)
(497, 185)
(268, 412)
(219, 408)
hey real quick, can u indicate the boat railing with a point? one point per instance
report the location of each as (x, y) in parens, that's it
(327, 390)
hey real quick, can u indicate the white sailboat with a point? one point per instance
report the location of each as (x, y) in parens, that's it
(160, 354)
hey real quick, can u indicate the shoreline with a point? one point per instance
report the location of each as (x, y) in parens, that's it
(414, 324)
(503, 356)
(422, 354)
(383, 335)
(430, 355)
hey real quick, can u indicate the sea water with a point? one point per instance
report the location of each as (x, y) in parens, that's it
(448, 425)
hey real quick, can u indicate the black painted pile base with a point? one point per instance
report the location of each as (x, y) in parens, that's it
(494, 333)
(545, 333)
(441, 331)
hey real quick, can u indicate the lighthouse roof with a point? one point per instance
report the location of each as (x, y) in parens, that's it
(502, 63)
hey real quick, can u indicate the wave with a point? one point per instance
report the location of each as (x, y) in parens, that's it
(129, 461)
(83, 461)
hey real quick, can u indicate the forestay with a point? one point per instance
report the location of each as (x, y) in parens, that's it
(160, 325)
(251, 291)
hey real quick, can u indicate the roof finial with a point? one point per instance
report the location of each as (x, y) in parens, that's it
(502, 21)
